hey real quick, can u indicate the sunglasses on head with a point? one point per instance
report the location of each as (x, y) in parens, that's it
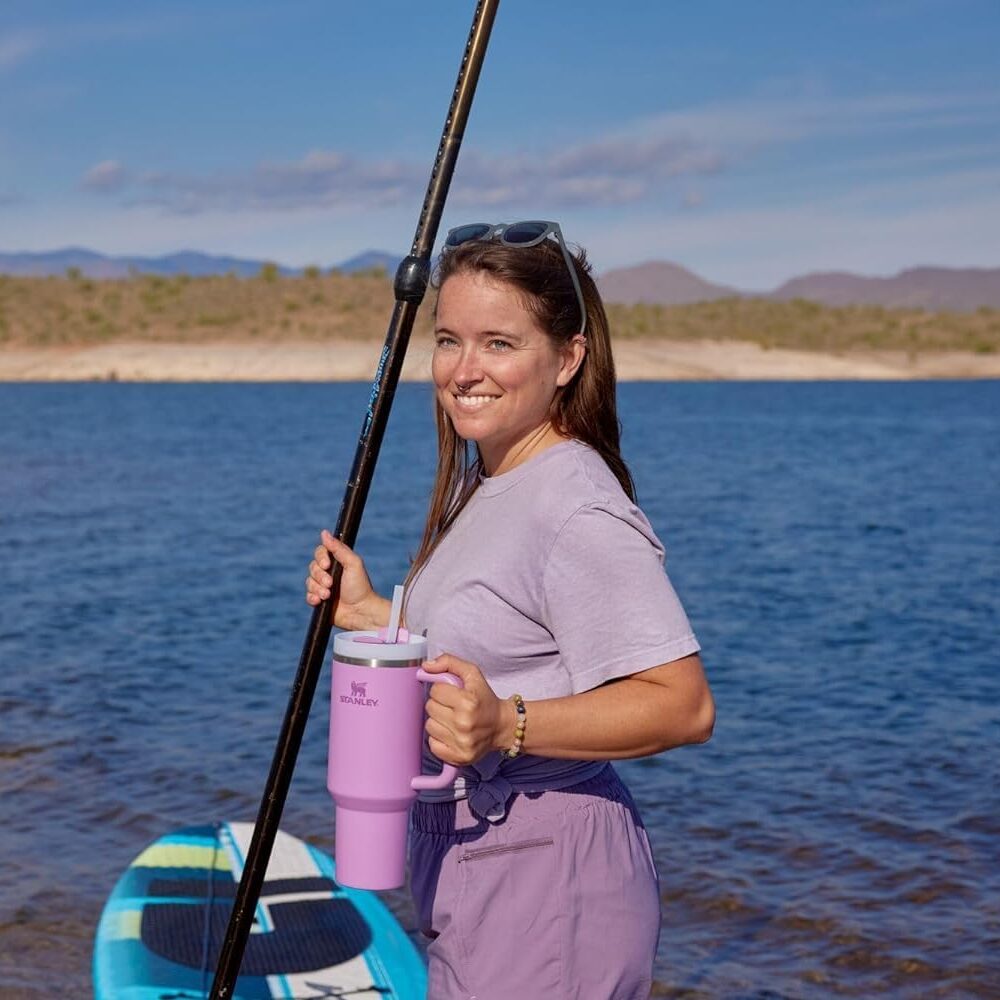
(519, 234)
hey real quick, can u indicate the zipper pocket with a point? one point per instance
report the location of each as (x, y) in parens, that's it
(524, 845)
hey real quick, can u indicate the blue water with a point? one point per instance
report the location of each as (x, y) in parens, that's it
(837, 546)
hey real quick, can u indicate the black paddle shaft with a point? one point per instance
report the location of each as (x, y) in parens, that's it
(410, 284)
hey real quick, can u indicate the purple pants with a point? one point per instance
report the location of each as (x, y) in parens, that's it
(559, 900)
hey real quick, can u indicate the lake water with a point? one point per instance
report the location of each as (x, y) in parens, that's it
(837, 546)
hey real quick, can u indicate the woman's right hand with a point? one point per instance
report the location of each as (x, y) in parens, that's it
(358, 606)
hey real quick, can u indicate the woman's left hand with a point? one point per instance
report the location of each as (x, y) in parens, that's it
(464, 724)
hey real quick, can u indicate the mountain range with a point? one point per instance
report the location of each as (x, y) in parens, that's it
(654, 282)
(91, 264)
(931, 288)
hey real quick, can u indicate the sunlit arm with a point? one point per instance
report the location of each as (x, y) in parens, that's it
(665, 707)
(646, 713)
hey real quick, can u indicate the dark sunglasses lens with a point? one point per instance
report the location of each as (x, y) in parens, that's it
(525, 232)
(473, 231)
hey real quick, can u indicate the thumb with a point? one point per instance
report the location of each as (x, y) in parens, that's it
(340, 551)
(446, 663)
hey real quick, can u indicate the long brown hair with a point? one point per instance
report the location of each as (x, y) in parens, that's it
(585, 409)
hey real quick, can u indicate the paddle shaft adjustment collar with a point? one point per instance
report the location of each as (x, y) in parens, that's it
(412, 278)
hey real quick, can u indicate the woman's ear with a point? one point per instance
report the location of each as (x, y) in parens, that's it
(572, 357)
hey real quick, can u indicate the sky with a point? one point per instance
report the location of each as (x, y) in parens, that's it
(748, 142)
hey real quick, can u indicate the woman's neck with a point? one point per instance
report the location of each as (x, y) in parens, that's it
(532, 444)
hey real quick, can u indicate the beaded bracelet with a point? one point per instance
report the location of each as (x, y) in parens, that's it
(522, 717)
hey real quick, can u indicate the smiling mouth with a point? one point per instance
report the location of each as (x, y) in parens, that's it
(473, 402)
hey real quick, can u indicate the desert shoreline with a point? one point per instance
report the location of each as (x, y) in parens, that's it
(353, 360)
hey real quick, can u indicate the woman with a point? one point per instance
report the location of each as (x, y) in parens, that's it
(541, 585)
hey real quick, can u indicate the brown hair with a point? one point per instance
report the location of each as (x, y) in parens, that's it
(584, 409)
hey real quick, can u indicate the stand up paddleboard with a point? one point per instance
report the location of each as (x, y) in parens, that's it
(163, 925)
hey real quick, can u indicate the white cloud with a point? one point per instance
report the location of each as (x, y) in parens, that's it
(107, 176)
(603, 172)
(633, 165)
(320, 179)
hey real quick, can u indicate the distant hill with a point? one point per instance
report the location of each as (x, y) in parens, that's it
(98, 265)
(191, 262)
(654, 282)
(933, 288)
(371, 259)
(661, 283)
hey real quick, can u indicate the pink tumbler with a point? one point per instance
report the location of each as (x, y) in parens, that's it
(376, 738)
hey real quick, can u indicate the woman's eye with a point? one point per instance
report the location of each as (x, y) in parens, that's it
(496, 344)
(444, 342)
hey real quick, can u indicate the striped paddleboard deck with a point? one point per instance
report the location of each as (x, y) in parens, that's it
(162, 928)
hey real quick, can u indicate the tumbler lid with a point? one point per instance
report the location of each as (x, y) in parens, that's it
(370, 649)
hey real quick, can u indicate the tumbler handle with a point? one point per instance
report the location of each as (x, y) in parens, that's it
(448, 772)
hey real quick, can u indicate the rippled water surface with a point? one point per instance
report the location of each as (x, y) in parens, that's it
(837, 547)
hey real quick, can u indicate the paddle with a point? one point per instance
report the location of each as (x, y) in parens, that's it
(409, 287)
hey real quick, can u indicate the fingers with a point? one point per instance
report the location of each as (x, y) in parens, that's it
(446, 663)
(321, 557)
(437, 730)
(461, 722)
(474, 690)
(448, 697)
(443, 752)
(451, 747)
(319, 581)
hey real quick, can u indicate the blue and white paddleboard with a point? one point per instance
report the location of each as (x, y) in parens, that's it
(163, 925)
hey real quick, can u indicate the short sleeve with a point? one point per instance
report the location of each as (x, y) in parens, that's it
(608, 601)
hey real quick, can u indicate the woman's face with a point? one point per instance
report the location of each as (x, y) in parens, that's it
(495, 370)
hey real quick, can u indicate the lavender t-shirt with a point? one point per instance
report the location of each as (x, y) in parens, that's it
(551, 581)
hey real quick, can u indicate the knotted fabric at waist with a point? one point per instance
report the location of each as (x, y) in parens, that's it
(489, 783)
